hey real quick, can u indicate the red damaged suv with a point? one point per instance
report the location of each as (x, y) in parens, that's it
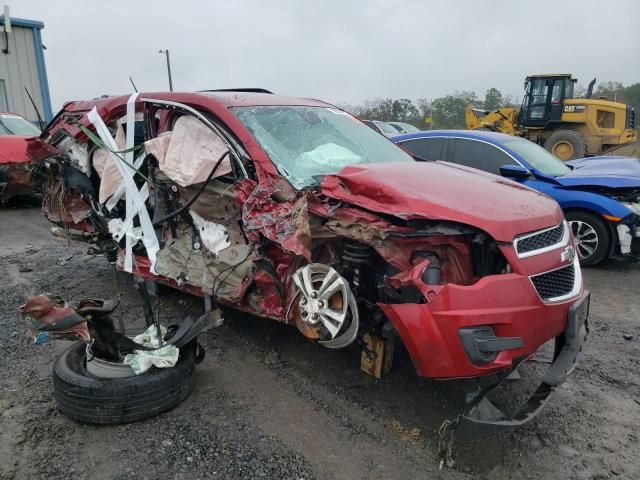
(17, 150)
(292, 209)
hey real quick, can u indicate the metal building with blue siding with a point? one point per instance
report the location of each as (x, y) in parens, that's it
(22, 65)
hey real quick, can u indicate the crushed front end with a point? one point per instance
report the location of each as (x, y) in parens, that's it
(468, 305)
(18, 157)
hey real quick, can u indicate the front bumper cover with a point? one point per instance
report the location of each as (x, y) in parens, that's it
(481, 412)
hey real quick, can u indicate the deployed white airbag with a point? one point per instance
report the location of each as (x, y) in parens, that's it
(192, 151)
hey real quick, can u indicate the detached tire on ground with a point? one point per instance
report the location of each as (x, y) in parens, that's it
(566, 145)
(89, 399)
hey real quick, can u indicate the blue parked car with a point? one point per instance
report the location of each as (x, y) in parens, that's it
(600, 196)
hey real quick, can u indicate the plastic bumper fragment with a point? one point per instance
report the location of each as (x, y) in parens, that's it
(482, 412)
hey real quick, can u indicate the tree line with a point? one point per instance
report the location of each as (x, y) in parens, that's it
(448, 111)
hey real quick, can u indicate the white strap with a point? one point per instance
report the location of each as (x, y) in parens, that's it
(134, 198)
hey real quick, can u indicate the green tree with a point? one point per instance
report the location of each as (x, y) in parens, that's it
(448, 111)
(387, 110)
(613, 91)
(493, 99)
(403, 110)
(378, 109)
(426, 112)
(508, 101)
(631, 95)
(355, 110)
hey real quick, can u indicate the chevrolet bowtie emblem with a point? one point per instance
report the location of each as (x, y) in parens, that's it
(568, 254)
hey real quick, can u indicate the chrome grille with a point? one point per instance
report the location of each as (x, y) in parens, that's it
(540, 240)
(556, 283)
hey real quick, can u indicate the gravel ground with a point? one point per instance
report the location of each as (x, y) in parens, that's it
(269, 404)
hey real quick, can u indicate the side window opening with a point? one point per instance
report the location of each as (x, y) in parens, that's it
(238, 153)
(556, 92)
(187, 149)
(605, 119)
(480, 155)
(161, 119)
(426, 148)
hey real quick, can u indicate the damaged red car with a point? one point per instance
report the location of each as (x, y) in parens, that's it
(292, 209)
(19, 147)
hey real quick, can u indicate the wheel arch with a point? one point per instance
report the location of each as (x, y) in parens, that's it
(568, 135)
(613, 232)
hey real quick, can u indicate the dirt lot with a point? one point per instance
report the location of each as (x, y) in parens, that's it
(270, 404)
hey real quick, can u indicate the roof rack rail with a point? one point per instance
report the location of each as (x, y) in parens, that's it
(248, 90)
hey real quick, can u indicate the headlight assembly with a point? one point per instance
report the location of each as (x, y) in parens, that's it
(634, 207)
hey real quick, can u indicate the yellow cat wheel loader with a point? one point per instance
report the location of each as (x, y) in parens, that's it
(568, 127)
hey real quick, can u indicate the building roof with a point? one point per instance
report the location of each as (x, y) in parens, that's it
(23, 22)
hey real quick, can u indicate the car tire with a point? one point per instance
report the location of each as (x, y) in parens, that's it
(89, 399)
(566, 145)
(591, 233)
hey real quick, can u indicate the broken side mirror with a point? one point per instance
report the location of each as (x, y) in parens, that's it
(514, 171)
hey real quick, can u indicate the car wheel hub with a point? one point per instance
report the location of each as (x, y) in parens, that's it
(327, 304)
(563, 150)
(586, 238)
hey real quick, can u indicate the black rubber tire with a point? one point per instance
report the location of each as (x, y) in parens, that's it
(89, 399)
(569, 136)
(602, 231)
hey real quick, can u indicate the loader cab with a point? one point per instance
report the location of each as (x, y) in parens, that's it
(543, 100)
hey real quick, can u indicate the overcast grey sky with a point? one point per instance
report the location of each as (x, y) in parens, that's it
(336, 50)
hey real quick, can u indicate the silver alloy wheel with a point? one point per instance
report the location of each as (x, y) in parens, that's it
(586, 238)
(318, 285)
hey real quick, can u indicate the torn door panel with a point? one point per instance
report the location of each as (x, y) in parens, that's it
(224, 267)
(265, 294)
(65, 206)
(226, 273)
(286, 223)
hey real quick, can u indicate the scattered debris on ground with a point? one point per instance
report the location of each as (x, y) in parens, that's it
(306, 412)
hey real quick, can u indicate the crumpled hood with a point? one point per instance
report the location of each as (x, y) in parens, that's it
(20, 149)
(443, 191)
(610, 172)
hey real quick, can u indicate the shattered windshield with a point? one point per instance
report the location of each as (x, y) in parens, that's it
(11, 124)
(306, 143)
(537, 157)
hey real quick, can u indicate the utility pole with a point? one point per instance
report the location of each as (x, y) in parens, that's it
(166, 52)
(7, 28)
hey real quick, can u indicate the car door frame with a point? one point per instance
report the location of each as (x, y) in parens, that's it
(449, 148)
(426, 137)
(447, 152)
(220, 131)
